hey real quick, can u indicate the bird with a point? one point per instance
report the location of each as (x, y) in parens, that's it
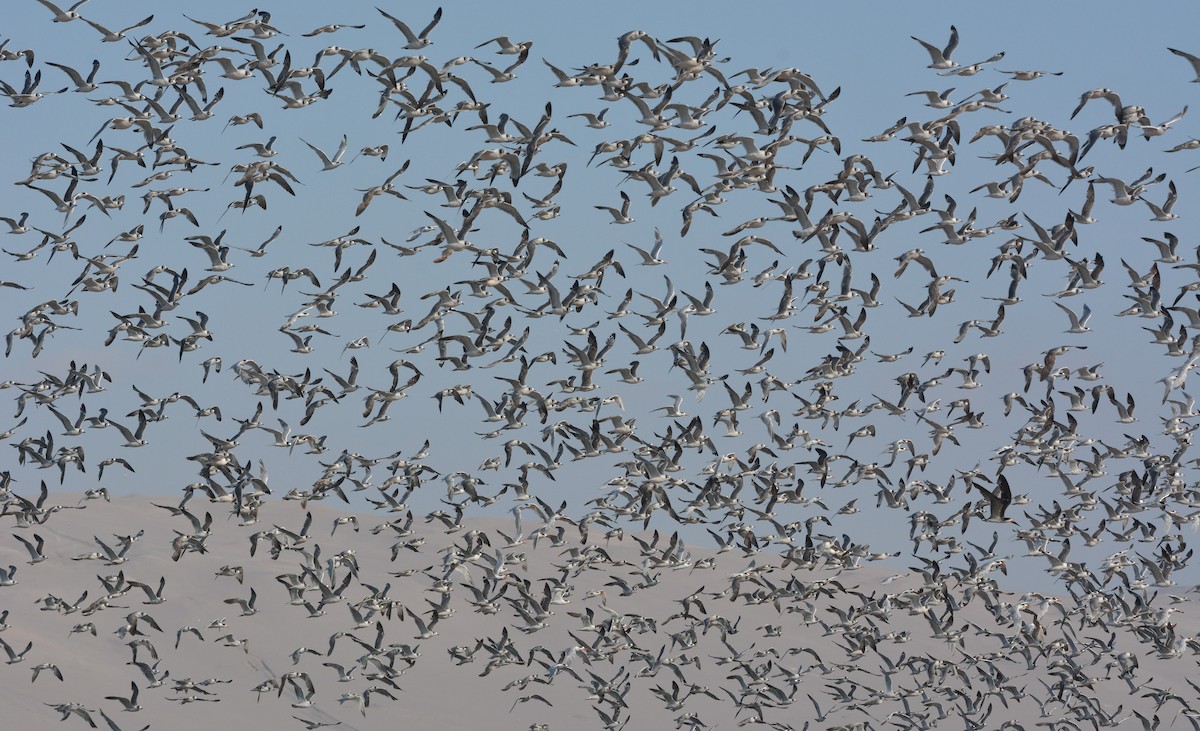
(419, 40)
(620, 215)
(651, 257)
(998, 500)
(63, 16)
(15, 657)
(1190, 58)
(110, 36)
(330, 163)
(37, 669)
(1079, 323)
(36, 554)
(129, 704)
(594, 407)
(940, 57)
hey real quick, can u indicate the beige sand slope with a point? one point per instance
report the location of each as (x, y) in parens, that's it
(865, 655)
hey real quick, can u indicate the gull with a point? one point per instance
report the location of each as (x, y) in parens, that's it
(46, 666)
(61, 16)
(1193, 60)
(507, 46)
(1085, 213)
(940, 57)
(240, 119)
(336, 160)
(1166, 249)
(260, 149)
(1102, 93)
(998, 500)
(64, 203)
(344, 676)
(415, 41)
(1124, 193)
(501, 76)
(1164, 213)
(66, 709)
(113, 724)
(527, 698)
(387, 187)
(112, 460)
(35, 552)
(303, 344)
(935, 99)
(595, 121)
(173, 212)
(108, 36)
(1154, 130)
(129, 704)
(1079, 323)
(379, 151)
(15, 657)
(451, 237)
(1030, 75)
(331, 28)
(312, 725)
(81, 84)
(17, 226)
(133, 439)
(247, 605)
(28, 94)
(424, 631)
(1124, 410)
(73, 428)
(113, 558)
(6, 55)
(152, 596)
(651, 258)
(622, 215)
(230, 641)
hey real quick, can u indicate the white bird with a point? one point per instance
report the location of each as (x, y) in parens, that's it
(13, 656)
(133, 438)
(418, 40)
(247, 605)
(35, 552)
(1164, 213)
(63, 16)
(336, 160)
(129, 704)
(1079, 323)
(109, 36)
(1193, 60)
(651, 257)
(940, 57)
(81, 84)
(622, 215)
(37, 669)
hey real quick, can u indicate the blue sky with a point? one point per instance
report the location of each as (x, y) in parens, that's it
(866, 51)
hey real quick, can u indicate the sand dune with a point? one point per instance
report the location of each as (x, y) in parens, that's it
(439, 692)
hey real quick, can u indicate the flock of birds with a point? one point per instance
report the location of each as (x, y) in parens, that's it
(657, 500)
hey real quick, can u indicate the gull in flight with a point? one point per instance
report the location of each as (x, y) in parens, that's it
(651, 257)
(329, 162)
(1193, 60)
(415, 41)
(63, 16)
(940, 57)
(1079, 323)
(998, 500)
